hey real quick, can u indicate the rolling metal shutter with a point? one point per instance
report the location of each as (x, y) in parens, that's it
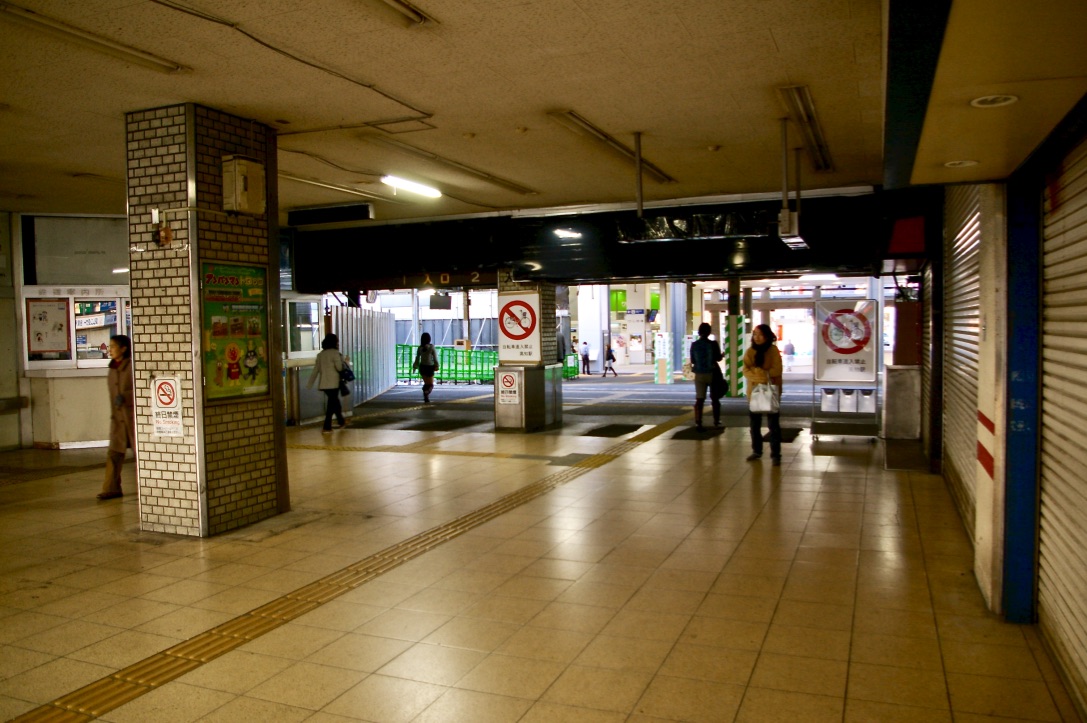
(961, 339)
(1062, 543)
(927, 330)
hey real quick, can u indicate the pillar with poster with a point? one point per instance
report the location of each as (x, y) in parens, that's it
(846, 374)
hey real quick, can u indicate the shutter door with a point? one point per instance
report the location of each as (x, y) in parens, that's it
(1062, 544)
(961, 339)
(926, 357)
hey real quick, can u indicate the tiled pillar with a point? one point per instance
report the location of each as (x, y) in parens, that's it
(227, 468)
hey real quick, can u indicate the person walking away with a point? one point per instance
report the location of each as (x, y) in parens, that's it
(326, 372)
(790, 351)
(609, 362)
(705, 353)
(762, 365)
(426, 361)
(585, 358)
(122, 414)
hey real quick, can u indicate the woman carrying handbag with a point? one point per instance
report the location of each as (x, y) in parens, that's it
(762, 370)
(327, 371)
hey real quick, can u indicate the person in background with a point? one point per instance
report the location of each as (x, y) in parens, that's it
(560, 343)
(609, 361)
(790, 351)
(122, 414)
(326, 372)
(585, 358)
(426, 361)
(705, 353)
(762, 365)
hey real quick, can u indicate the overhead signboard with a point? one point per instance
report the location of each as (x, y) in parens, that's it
(846, 344)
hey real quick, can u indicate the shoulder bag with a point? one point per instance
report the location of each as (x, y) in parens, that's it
(764, 399)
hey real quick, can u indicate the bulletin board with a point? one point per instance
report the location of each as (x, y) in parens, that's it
(234, 305)
(47, 331)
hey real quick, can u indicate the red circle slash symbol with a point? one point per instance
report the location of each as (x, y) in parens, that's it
(518, 320)
(166, 393)
(508, 381)
(846, 331)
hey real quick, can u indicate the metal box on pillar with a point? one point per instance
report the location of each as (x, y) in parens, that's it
(527, 388)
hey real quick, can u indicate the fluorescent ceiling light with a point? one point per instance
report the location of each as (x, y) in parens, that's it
(120, 271)
(801, 109)
(89, 39)
(566, 233)
(482, 175)
(412, 186)
(336, 187)
(819, 277)
(571, 121)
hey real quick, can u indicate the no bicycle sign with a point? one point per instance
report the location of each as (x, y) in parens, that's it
(844, 348)
(519, 328)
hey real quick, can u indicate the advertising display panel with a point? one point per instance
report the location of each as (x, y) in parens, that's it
(235, 313)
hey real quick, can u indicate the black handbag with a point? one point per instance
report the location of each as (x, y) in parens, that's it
(718, 384)
(346, 375)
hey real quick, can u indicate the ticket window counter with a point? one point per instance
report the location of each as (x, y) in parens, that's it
(65, 335)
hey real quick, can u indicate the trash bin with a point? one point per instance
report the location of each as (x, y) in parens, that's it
(829, 400)
(867, 402)
(847, 400)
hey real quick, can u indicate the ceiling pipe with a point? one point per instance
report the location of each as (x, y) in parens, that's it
(785, 165)
(638, 167)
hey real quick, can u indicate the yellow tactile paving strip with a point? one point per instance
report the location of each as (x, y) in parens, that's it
(113, 691)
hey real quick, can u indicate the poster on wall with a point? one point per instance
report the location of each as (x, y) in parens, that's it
(47, 327)
(846, 340)
(235, 311)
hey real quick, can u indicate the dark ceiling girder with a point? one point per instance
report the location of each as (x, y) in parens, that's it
(915, 33)
(844, 233)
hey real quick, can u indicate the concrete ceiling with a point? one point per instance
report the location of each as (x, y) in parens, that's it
(464, 98)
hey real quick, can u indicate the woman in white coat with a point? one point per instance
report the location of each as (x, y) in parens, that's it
(326, 372)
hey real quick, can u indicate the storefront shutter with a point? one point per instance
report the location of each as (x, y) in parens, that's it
(961, 338)
(1062, 544)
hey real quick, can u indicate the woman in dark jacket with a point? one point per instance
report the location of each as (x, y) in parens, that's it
(426, 361)
(122, 415)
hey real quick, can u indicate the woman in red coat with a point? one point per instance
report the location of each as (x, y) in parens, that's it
(122, 415)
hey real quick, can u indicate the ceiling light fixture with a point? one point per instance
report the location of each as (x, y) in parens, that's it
(405, 185)
(994, 101)
(801, 109)
(571, 121)
(336, 187)
(482, 175)
(566, 233)
(409, 11)
(89, 39)
(121, 270)
(960, 164)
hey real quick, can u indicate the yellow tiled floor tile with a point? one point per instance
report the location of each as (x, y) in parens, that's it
(690, 700)
(761, 705)
(470, 705)
(1026, 699)
(394, 700)
(596, 688)
(511, 676)
(801, 675)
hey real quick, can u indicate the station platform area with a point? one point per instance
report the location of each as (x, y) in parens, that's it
(620, 567)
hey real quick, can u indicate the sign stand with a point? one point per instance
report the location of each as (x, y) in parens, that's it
(527, 392)
(845, 381)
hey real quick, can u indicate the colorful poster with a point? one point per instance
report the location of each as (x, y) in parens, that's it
(47, 326)
(235, 311)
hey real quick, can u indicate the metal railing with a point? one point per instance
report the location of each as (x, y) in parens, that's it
(454, 365)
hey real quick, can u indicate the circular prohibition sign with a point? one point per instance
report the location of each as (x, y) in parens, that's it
(846, 331)
(508, 381)
(518, 320)
(166, 393)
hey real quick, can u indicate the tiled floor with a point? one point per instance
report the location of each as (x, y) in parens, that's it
(655, 579)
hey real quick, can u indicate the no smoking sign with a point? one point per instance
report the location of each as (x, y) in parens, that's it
(166, 407)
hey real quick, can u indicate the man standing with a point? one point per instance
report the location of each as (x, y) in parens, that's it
(790, 351)
(585, 358)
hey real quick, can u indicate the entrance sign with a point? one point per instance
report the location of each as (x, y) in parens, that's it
(166, 407)
(845, 350)
(519, 329)
(509, 391)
